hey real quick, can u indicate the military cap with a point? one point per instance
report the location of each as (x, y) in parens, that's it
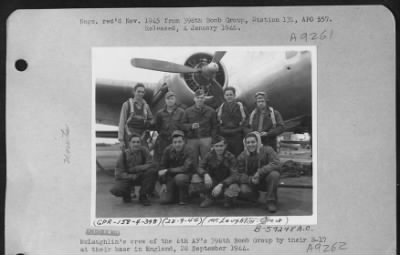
(169, 94)
(177, 133)
(199, 92)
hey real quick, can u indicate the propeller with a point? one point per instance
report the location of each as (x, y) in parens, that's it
(203, 73)
(218, 55)
(164, 66)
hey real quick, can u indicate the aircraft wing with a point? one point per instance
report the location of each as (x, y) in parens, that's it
(111, 94)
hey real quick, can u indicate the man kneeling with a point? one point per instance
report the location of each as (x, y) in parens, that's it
(176, 170)
(134, 167)
(258, 168)
(219, 171)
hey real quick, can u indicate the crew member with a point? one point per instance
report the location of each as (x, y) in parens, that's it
(200, 123)
(166, 121)
(266, 120)
(259, 170)
(176, 170)
(134, 167)
(135, 117)
(231, 119)
(219, 172)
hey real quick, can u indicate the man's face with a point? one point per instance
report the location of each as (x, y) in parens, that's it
(261, 104)
(139, 92)
(251, 144)
(229, 95)
(219, 147)
(134, 143)
(178, 143)
(199, 100)
(170, 101)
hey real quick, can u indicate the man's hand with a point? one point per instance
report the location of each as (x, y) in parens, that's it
(263, 133)
(162, 172)
(217, 190)
(195, 125)
(163, 188)
(133, 177)
(256, 178)
(122, 145)
(207, 181)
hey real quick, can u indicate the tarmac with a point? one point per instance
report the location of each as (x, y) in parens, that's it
(292, 201)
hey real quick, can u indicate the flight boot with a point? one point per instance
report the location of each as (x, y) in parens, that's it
(144, 200)
(127, 199)
(207, 202)
(228, 202)
(271, 206)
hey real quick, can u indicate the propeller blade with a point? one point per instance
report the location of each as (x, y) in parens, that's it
(291, 54)
(218, 56)
(164, 66)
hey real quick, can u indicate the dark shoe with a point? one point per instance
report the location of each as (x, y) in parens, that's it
(167, 202)
(182, 202)
(127, 199)
(144, 200)
(271, 206)
(228, 203)
(183, 197)
(207, 202)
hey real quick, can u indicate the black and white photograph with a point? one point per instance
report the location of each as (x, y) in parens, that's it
(204, 131)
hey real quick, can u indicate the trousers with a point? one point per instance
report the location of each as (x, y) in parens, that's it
(160, 145)
(200, 148)
(147, 181)
(268, 183)
(177, 189)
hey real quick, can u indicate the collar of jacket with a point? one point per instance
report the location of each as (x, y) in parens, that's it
(264, 111)
(224, 155)
(229, 106)
(165, 109)
(199, 109)
(130, 151)
(141, 102)
(175, 153)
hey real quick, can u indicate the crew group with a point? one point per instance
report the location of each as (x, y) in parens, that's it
(224, 153)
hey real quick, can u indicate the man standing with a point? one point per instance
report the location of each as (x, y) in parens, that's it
(135, 117)
(258, 168)
(134, 167)
(176, 170)
(231, 118)
(219, 172)
(166, 121)
(200, 123)
(266, 120)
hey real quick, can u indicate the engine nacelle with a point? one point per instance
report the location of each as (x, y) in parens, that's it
(184, 85)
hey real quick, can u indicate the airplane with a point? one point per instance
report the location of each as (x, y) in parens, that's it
(286, 78)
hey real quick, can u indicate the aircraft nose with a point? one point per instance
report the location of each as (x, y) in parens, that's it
(213, 67)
